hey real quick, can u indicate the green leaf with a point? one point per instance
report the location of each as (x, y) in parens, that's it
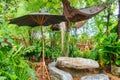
(10, 40)
(4, 44)
(1, 39)
(2, 78)
(117, 62)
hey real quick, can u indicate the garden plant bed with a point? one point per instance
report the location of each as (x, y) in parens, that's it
(60, 40)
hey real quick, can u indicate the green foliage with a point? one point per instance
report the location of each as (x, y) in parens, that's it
(13, 65)
(53, 45)
(85, 54)
(74, 51)
(84, 38)
(108, 51)
(35, 49)
(53, 52)
(2, 78)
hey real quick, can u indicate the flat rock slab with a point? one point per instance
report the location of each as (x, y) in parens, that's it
(76, 63)
(57, 74)
(95, 77)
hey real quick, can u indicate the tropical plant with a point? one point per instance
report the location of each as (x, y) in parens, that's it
(53, 46)
(74, 51)
(13, 65)
(107, 52)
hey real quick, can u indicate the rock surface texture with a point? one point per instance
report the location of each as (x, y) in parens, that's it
(115, 70)
(77, 63)
(95, 77)
(57, 74)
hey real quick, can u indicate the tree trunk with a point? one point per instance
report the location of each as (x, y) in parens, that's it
(118, 31)
(65, 39)
(62, 36)
(108, 17)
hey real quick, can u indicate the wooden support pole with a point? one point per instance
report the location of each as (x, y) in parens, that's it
(42, 72)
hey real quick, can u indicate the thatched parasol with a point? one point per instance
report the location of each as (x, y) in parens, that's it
(39, 19)
(75, 15)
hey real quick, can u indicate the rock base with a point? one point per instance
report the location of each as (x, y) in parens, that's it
(95, 77)
(115, 70)
(77, 63)
(57, 74)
